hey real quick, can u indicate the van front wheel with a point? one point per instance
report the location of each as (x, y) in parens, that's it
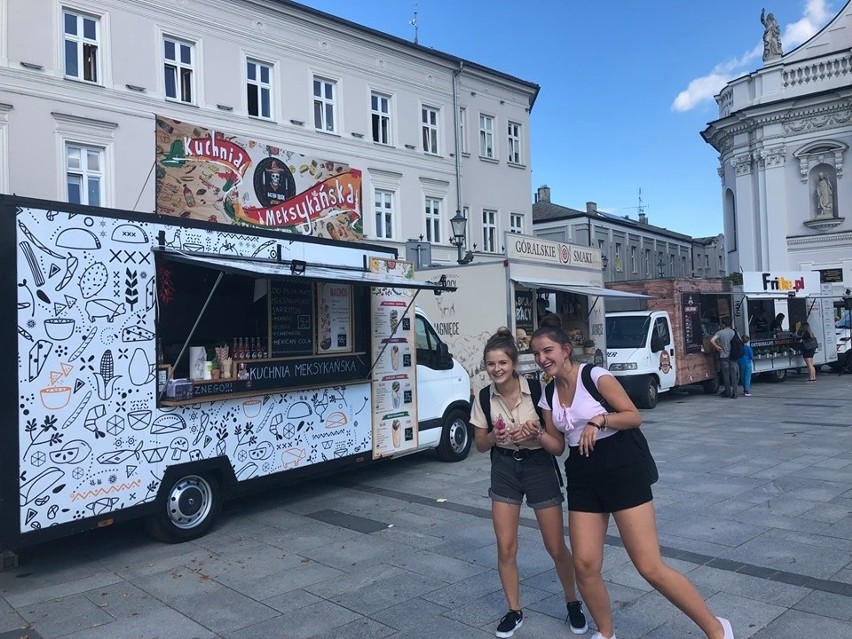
(188, 509)
(647, 396)
(455, 436)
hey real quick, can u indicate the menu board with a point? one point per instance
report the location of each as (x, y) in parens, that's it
(334, 318)
(692, 332)
(291, 306)
(523, 319)
(394, 354)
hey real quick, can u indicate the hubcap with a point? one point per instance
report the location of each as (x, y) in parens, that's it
(190, 502)
(458, 435)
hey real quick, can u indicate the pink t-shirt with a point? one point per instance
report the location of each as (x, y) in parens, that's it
(573, 420)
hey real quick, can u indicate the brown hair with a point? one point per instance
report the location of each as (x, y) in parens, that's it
(502, 340)
(554, 333)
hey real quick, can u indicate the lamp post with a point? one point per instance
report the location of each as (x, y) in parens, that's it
(661, 265)
(459, 224)
(604, 262)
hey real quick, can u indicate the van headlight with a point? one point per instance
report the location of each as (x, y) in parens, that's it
(627, 366)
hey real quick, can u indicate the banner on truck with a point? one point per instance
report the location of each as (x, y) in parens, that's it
(210, 175)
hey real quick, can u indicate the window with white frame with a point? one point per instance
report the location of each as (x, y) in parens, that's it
(259, 89)
(618, 264)
(84, 174)
(383, 205)
(380, 109)
(463, 130)
(81, 51)
(516, 223)
(683, 270)
(429, 128)
(179, 69)
(633, 264)
(489, 230)
(514, 142)
(647, 262)
(671, 265)
(325, 105)
(433, 219)
(486, 136)
(706, 260)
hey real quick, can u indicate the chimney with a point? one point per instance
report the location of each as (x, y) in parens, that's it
(643, 219)
(592, 208)
(543, 194)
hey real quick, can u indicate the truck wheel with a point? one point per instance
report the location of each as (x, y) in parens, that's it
(455, 437)
(776, 377)
(648, 396)
(188, 509)
(711, 386)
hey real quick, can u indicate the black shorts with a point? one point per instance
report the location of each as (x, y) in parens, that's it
(613, 477)
(808, 353)
(534, 475)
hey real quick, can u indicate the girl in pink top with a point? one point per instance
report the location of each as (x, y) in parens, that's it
(606, 475)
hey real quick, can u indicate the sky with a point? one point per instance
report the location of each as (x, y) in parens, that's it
(626, 86)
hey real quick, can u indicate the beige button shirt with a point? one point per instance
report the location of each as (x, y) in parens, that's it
(511, 417)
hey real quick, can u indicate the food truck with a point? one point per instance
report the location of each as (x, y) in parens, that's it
(661, 342)
(163, 364)
(771, 306)
(533, 277)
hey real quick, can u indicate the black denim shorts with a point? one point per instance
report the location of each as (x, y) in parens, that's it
(613, 477)
(525, 473)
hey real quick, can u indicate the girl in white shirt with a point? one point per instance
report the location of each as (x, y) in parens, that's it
(606, 475)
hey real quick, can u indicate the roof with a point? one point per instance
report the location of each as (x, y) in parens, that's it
(417, 48)
(544, 211)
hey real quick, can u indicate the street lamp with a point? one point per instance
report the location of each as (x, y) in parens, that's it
(661, 265)
(459, 224)
(604, 262)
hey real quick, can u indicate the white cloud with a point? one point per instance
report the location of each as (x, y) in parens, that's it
(705, 88)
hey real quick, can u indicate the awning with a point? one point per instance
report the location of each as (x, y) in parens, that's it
(276, 270)
(579, 289)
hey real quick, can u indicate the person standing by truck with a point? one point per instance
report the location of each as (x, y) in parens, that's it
(606, 475)
(520, 467)
(809, 347)
(745, 364)
(730, 366)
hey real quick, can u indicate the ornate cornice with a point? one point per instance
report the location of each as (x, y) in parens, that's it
(839, 115)
(742, 163)
(774, 156)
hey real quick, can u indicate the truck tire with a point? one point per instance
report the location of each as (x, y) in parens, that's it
(711, 386)
(187, 508)
(647, 397)
(456, 436)
(776, 377)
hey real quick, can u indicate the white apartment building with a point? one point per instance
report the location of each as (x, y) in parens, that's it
(92, 90)
(783, 137)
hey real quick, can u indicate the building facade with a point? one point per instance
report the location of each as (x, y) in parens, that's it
(709, 258)
(89, 90)
(783, 137)
(633, 249)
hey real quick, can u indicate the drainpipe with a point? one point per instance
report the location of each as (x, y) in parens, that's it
(457, 142)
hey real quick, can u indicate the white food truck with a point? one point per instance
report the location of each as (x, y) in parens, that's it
(771, 306)
(162, 364)
(532, 278)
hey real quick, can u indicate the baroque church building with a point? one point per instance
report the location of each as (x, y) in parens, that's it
(783, 137)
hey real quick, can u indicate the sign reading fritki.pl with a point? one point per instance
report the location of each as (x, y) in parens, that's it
(207, 175)
(778, 283)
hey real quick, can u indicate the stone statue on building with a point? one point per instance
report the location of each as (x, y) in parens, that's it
(771, 36)
(824, 197)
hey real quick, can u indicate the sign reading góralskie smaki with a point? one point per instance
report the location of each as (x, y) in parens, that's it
(210, 175)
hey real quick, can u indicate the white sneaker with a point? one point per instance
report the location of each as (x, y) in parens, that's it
(726, 626)
(598, 635)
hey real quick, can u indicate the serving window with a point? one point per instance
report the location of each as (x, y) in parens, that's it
(257, 334)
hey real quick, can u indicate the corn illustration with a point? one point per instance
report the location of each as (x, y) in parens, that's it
(106, 378)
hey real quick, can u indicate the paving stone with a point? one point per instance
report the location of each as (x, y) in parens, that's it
(318, 618)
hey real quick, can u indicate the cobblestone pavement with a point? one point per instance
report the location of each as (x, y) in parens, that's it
(754, 504)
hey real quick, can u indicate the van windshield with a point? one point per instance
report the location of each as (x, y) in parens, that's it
(844, 322)
(627, 332)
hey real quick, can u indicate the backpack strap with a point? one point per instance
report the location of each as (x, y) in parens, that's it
(485, 405)
(535, 392)
(591, 388)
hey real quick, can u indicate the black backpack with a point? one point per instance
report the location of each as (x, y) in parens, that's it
(737, 348)
(535, 392)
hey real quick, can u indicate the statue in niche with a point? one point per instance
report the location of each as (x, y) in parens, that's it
(824, 197)
(771, 36)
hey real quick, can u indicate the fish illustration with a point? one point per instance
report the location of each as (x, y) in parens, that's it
(119, 456)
